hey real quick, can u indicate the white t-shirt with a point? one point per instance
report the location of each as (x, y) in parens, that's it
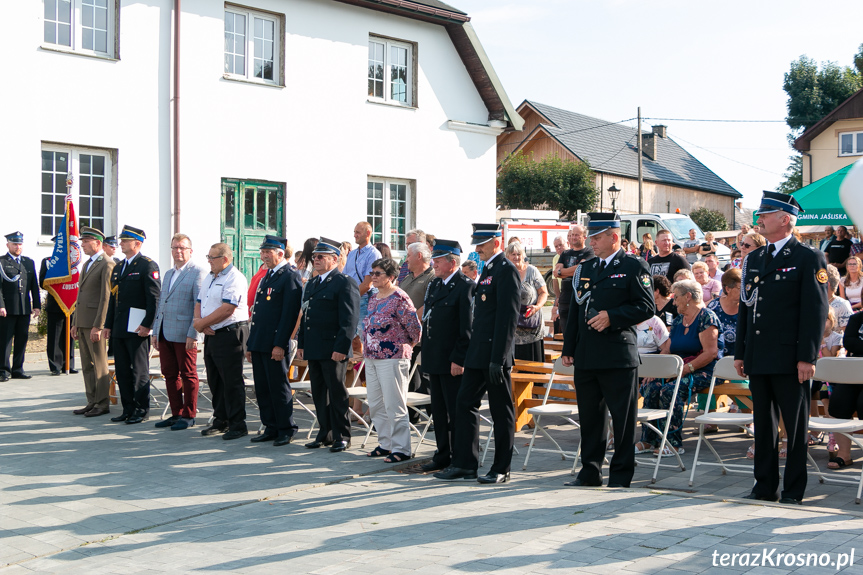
(651, 333)
(832, 340)
(842, 310)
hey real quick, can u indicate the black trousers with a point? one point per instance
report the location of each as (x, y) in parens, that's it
(327, 378)
(563, 317)
(773, 395)
(599, 392)
(57, 343)
(273, 391)
(474, 384)
(224, 353)
(132, 366)
(444, 395)
(13, 328)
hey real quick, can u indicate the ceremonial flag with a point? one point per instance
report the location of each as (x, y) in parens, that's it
(61, 279)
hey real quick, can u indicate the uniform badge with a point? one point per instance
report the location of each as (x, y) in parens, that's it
(821, 276)
(586, 285)
(755, 281)
(155, 274)
(483, 297)
(645, 281)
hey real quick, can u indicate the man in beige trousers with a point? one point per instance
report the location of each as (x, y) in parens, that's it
(94, 292)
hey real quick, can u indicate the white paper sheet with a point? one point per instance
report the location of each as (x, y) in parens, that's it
(136, 316)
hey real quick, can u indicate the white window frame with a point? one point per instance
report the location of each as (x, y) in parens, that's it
(77, 29)
(249, 57)
(387, 71)
(73, 165)
(856, 143)
(386, 215)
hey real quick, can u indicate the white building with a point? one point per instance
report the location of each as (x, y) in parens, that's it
(299, 117)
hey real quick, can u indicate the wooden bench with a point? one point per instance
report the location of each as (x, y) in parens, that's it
(529, 379)
(726, 393)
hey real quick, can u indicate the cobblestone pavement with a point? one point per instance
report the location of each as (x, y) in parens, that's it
(87, 495)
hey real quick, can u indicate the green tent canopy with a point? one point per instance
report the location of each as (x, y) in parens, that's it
(820, 201)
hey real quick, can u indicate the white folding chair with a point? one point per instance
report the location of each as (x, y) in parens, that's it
(660, 367)
(848, 371)
(567, 411)
(724, 370)
(154, 374)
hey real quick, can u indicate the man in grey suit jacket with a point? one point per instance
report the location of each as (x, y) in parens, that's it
(175, 337)
(94, 291)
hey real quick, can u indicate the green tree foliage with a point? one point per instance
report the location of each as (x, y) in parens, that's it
(858, 60)
(550, 183)
(709, 220)
(813, 93)
(793, 176)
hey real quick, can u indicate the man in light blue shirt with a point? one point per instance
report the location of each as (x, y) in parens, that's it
(359, 265)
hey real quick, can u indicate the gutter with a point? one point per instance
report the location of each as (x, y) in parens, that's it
(422, 9)
(176, 127)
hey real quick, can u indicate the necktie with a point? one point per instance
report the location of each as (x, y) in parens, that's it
(771, 251)
(602, 265)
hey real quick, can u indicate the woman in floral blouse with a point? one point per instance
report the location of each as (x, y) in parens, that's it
(390, 330)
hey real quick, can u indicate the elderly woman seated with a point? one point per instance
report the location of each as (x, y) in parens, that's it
(694, 336)
(710, 287)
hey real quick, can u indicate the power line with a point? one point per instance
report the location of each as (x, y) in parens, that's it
(727, 158)
(555, 136)
(707, 120)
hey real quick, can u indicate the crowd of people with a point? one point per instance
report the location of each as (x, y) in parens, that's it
(462, 324)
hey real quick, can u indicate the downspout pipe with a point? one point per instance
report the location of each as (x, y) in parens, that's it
(176, 163)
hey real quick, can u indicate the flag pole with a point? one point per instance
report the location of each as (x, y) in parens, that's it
(68, 321)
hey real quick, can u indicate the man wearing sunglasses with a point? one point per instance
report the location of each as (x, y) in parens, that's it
(331, 312)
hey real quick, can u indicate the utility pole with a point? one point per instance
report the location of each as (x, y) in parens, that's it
(640, 180)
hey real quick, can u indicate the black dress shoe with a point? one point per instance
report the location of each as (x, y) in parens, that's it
(282, 439)
(432, 466)
(451, 473)
(119, 418)
(617, 486)
(339, 446)
(316, 444)
(213, 430)
(168, 422)
(790, 501)
(235, 434)
(55, 372)
(3, 378)
(137, 419)
(73, 371)
(754, 496)
(578, 482)
(21, 375)
(490, 478)
(266, 436)
(84, 410)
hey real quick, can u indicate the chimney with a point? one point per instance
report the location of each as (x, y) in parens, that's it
(661, 131)
(648, 145)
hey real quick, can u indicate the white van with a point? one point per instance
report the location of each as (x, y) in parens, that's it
(634, 226)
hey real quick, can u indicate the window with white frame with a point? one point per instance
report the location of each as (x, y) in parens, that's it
(86, 26)
(851, 144)
(91, 187)
(252, 45)
(390, 76)
(389, 210)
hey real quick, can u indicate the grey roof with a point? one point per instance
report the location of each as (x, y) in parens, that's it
(611, 149)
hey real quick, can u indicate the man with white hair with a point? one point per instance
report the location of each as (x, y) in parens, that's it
(412, 237)
(779, 329)
(415, 284)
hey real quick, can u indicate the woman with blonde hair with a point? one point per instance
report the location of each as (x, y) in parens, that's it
(852, 286)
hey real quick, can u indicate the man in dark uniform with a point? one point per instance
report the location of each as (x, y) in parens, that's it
(331, 311)
(57, 321)
(487, 363)
(274, 317)
(613, 294)
(111, 245)
(135, 289)
(779, 329)
(447, 321)
(19, 299)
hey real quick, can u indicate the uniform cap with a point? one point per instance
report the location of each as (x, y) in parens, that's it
(112, 241)
(600, 221)
(445, 247)
(92, 233)
(328, 246)
(15, 238)
(274, 243)
(130, 233)
(778, 202)
(483, 233)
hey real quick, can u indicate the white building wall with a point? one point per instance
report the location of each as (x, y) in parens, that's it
(318, 135)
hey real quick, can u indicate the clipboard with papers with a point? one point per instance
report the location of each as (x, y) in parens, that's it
(136, 316)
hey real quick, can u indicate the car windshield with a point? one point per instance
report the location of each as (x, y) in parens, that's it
(680, 228)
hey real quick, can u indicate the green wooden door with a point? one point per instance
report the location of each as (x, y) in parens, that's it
(250, 211)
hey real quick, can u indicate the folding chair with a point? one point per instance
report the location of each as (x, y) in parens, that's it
(849, 371)
(154, 374)
(483, 406)
(724, 370)
(660, 367)
(565, 410)
(303, 386)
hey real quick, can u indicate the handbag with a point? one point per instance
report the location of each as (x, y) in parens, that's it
(533, 322)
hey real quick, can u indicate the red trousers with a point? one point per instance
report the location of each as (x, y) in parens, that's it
(179, 367)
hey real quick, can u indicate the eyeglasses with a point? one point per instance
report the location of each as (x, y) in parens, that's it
(180, 249)
(742, 245)
(210, 258)
(375, 274)
(317, 257)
